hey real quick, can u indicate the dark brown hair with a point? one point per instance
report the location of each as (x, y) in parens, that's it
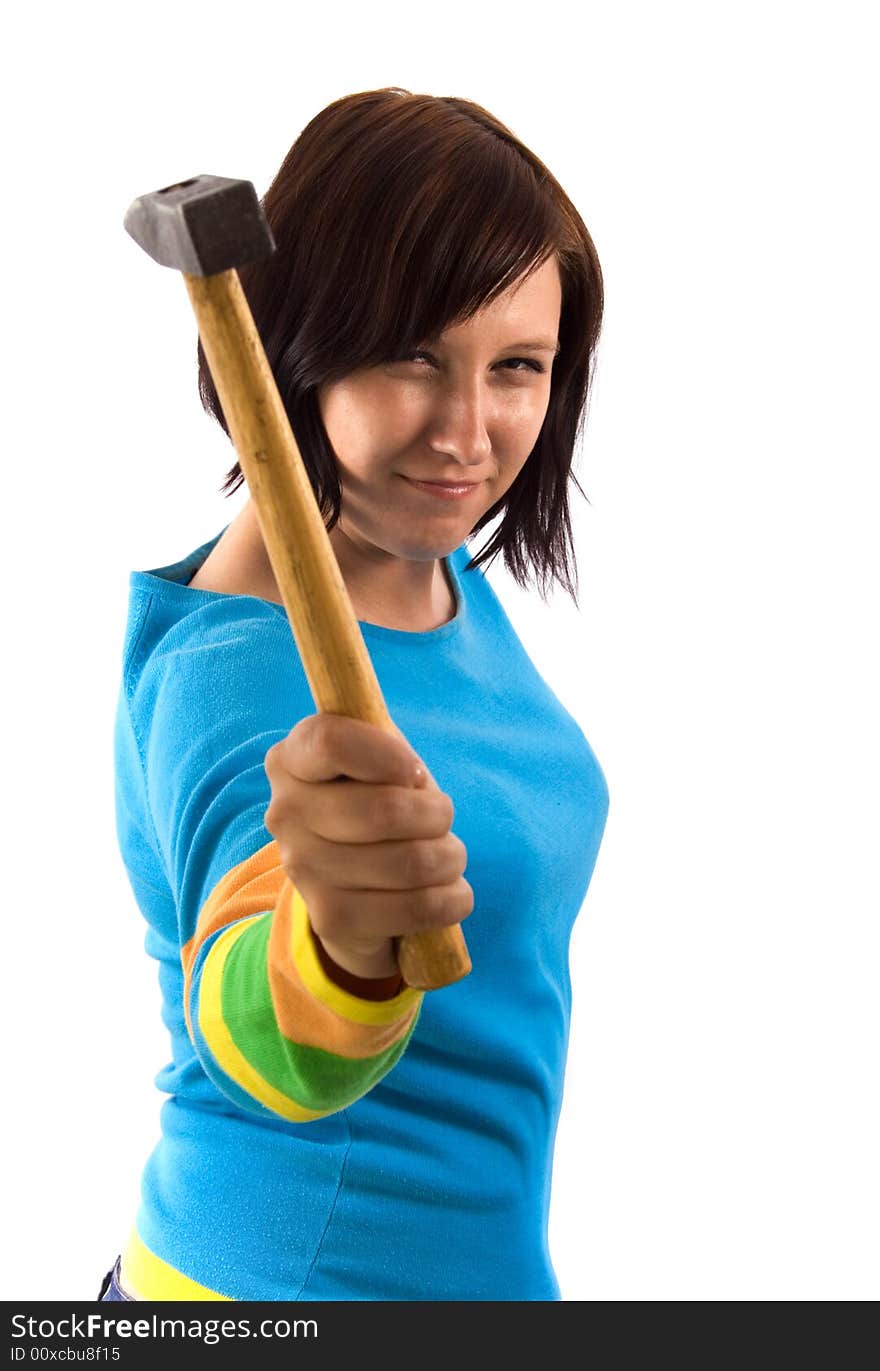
(396, 216)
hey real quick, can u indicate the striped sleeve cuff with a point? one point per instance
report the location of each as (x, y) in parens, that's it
(294, 928)
(271, 1026)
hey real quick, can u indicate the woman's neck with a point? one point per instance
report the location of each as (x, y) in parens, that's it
(389, 591)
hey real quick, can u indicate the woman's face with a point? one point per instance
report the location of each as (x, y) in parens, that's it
(466, 409)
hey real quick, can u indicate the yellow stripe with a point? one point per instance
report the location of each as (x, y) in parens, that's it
(249, 888)
(318, 983)
(147, 1277)
(219, 1039)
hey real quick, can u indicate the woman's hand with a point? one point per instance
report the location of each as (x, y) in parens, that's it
(364, 839)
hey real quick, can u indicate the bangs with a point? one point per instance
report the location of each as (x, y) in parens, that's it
(448, 240)
(403, 224)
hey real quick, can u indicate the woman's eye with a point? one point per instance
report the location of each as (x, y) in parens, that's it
(526, 362)
(514, 364)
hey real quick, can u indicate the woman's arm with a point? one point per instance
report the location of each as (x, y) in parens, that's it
(275, 1027)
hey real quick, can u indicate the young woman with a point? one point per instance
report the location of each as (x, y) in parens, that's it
(431, 316)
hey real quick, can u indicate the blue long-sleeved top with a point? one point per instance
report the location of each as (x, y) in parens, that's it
(317, 1144)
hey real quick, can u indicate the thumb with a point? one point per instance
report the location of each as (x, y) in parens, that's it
(423, 777)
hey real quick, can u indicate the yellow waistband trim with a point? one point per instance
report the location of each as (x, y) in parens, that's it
(147, 1277)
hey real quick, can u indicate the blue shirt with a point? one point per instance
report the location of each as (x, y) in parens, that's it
(316, 1145)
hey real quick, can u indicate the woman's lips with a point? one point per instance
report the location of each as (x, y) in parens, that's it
(444, 492)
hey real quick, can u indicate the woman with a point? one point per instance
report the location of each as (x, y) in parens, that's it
(431, 315)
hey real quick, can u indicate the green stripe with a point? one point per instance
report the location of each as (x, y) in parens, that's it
(313, 1077)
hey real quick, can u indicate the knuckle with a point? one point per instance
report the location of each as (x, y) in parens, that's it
(312, 734)
(273, 819)
(460, 854)
(419, 910)
(278, 815)
(421, 861)
(433, 906)
(327, 726)
(440, 906)
(392, 809)
(279, 760)
(274, 763)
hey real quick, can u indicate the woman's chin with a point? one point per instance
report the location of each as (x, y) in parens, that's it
(427, 551)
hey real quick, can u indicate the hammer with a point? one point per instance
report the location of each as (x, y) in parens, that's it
(205, 228)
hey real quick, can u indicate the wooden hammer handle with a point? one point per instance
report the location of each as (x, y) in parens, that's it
(326, 631)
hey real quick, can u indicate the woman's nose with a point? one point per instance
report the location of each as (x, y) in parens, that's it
(460, 425)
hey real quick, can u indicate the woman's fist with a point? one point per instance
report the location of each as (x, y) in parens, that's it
(365, 838)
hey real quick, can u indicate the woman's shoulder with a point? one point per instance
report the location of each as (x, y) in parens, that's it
(230, 568)
(196, 620)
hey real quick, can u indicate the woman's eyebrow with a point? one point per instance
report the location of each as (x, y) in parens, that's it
(538, 345)
(534, 345)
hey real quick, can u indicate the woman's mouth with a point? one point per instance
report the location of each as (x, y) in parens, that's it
(444, 490)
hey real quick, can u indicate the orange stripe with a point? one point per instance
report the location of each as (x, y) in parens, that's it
(314, 1011)
(252, 887)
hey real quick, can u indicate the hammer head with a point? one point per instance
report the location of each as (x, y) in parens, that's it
(202, 226)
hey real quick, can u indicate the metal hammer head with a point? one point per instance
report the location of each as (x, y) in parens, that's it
(202, 226)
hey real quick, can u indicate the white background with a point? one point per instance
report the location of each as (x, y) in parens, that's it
(719, 1130)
